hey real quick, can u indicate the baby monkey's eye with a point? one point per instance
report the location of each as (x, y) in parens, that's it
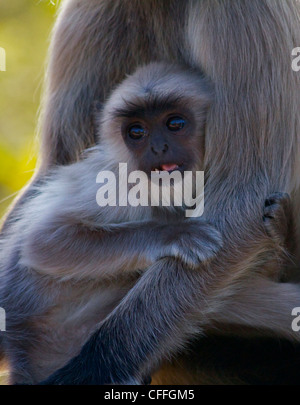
(136, 131)
(175, 124)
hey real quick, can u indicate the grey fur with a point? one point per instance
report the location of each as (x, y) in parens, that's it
(252, 146)
(69, 261)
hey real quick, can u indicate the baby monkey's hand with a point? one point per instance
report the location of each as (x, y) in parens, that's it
(191, 241)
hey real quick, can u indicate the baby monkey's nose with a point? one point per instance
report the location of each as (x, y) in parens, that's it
(159, 149)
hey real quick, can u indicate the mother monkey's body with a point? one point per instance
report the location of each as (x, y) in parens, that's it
(245, 47)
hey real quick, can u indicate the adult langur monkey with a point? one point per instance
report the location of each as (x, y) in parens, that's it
(252, 144)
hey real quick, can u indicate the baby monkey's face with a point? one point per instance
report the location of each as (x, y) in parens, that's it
(155, 119)
(162, 139)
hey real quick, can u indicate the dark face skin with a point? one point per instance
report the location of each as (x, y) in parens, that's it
(164, 141)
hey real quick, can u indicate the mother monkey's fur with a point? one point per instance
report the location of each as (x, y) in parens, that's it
(252, 142)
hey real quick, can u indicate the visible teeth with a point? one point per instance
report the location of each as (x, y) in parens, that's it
(156, 170)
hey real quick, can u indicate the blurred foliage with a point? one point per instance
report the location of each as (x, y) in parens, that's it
(25, 26)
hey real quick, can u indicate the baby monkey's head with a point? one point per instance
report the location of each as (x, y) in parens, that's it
(155, 119)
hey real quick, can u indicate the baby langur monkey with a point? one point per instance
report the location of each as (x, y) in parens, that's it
(67, 262)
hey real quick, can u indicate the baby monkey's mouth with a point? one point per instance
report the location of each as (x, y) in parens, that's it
(168, 167)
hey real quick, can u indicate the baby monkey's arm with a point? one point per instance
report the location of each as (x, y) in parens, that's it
(70, 250)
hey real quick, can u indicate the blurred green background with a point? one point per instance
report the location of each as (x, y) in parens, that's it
(25, 26)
